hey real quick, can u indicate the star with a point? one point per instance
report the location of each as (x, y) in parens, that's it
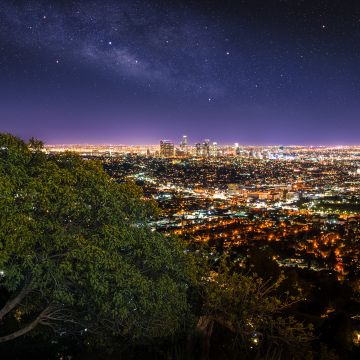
(228, 53)
(110, 42)
(57, 61)
(323, 27)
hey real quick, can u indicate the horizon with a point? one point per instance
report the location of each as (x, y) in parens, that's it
(218, 143)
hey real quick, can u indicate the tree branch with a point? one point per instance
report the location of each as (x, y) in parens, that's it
(12, 303)
(27, 328)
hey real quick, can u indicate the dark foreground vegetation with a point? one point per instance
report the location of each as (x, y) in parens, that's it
(82, 276)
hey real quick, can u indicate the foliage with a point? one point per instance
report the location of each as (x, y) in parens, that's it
(76, 253)
(256, 316)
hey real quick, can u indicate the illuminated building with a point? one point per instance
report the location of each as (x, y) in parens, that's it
(166, 148)
(184, 142)
(214, 149)
(198, 149)
(184, 145)
(206, 148)
(236, 149)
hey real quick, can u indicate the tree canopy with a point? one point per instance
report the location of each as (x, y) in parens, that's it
(76, 253)
(252, 315)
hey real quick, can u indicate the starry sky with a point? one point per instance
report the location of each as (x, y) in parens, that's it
(131, 72)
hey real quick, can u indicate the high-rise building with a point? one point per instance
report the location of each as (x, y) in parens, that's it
(184, 145)
(166, 148)
(198, 149)
(184, 141)
(206, 148)
(214, 149)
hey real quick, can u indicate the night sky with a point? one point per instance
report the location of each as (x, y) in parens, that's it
(253, 72)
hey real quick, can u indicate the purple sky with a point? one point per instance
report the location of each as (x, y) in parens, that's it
(134, 72)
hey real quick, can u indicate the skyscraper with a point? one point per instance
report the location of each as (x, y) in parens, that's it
(214, 149)
(184, 145)
(206, 148)
(184, 142)
(198, 149)
(166, 148)
(236, 149)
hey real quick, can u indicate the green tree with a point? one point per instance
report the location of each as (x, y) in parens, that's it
(76, 253)
(253, 315)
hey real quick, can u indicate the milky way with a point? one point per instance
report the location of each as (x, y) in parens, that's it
(137, 71)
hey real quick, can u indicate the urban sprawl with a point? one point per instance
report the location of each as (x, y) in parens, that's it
(302, 203)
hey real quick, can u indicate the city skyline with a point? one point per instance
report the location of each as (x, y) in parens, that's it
(255, 72)
(193, 143)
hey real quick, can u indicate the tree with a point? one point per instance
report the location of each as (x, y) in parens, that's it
(254, 317)
(76, 253)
